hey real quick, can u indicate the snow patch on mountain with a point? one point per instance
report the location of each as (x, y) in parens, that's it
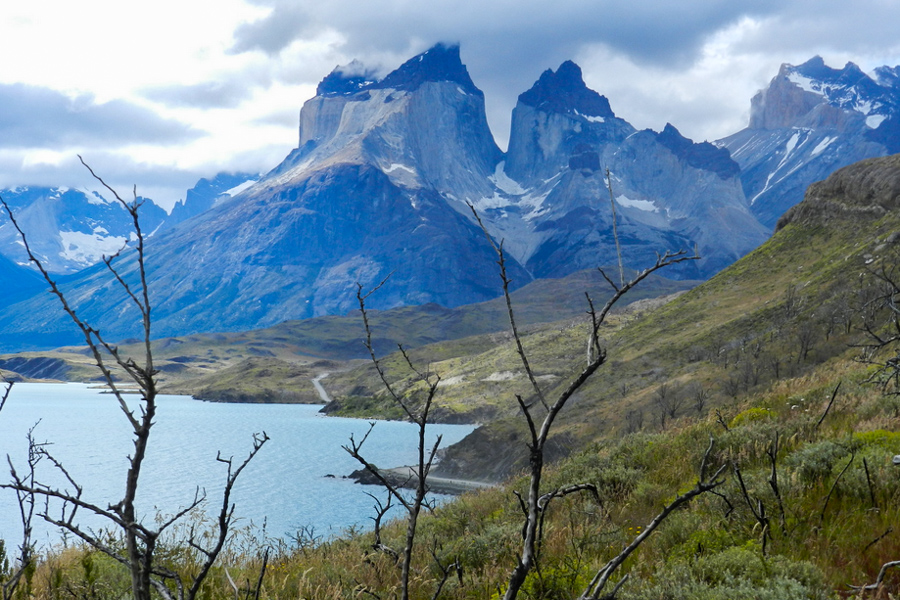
(395, 166)
(494, 202)
(96, 199)
(873, 121)
(535, 202)
(504, 182)
(807, 84)
(788, 149)
(87, 249)
(644, 205)
(590, 118)
(239, 188)
(823, 145)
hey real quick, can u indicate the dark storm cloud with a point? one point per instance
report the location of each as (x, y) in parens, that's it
(505, 44)
(211, 94)
(660, 31)
(32, 116)
(865, 27)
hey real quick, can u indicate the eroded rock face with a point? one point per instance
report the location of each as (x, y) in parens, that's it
(384, 170)
(424, 126)
(376, 188)
(810, 121)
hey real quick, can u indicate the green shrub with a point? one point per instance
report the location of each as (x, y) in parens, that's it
(814, 462)
(886, 440)
(751, 415)
(736, 573)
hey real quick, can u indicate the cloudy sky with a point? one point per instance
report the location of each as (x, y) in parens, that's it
(158, 94)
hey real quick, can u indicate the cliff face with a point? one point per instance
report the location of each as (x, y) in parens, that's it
(374, 190)
(68, 229)
(810, 121)
(424, 126)
(385, 169)
(559, 123)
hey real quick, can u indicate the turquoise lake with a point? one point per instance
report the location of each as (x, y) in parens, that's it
(288, 486)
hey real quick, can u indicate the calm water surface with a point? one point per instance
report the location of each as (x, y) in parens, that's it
(286, 487)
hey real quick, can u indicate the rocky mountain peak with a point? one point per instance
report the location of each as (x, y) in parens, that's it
(346, 80)
(811, 120)
(564, 91)
(813, 94)
(887, 76)
(701, 156)
(439, 63)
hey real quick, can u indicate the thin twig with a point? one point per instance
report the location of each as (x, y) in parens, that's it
(828, 408)
(834, 485)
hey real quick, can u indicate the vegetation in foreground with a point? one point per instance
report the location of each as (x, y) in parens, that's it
(813, 511)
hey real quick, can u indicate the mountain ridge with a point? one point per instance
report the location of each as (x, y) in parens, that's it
(385, 172)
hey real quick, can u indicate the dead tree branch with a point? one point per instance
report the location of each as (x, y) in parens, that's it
(834, 485)
(9, 582)
(538, 434)
(140, 541)
(598, 583)
(828, 408)
(426, 455)
(880, 579)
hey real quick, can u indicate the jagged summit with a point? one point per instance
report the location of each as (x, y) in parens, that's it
(564, 91)
(701, 156)
(345, 80)
(887, 76)
(805, 95)
(817, 69)
(811, 120)
(439, 63)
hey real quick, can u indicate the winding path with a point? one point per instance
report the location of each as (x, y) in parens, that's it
(407, 476)
(321, 390)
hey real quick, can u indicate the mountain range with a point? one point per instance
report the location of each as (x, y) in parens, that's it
(385, 173)
(810, 121)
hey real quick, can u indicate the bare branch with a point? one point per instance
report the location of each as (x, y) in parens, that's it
(602, 577)
(380, 511)
(25, 501)
(501, 262)
(828, 408)
(834, 485)
(880, 579)
(425, 457)
(140, 541)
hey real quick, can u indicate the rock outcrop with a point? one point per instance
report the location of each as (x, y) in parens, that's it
(867, 189)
